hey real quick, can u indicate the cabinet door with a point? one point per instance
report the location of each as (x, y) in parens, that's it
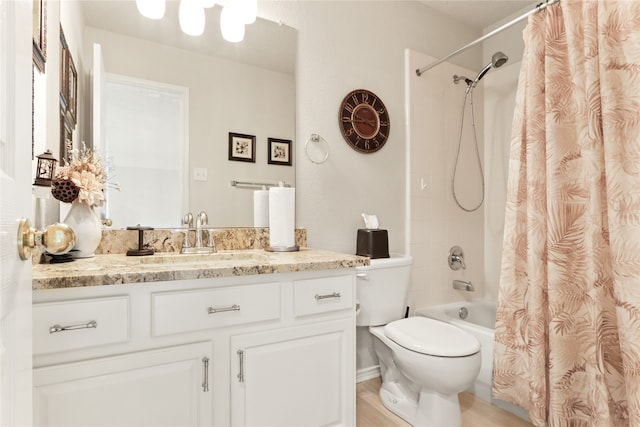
(300, 376)
(164, 387)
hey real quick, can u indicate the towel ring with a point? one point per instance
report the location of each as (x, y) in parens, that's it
(318, 152)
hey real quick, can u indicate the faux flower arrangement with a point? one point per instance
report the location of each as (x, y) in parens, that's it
(84, 179)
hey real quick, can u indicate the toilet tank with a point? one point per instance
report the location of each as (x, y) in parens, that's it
(382, 289)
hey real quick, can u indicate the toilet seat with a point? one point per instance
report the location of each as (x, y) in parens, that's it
(431, 337)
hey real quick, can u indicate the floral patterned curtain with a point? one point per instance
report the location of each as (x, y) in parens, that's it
(567, 342)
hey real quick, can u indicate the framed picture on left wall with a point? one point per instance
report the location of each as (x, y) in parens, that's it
(242, 148)
(39, 32)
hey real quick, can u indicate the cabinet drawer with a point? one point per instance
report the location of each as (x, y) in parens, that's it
(71, 325)
(323, 295)
(185, 311)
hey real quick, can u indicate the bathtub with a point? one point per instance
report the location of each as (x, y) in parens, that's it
(479, 320)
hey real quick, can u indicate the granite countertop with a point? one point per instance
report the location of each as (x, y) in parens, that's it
(119, 268)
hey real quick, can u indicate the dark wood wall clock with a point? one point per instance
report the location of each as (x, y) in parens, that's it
(364, 121)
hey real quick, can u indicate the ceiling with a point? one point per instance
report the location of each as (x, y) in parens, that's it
(479, 14)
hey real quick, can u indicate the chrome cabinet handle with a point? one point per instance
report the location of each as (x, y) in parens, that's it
(333, 295)
(241, 359)
(57, 328)
(234, 307)
(205, 383)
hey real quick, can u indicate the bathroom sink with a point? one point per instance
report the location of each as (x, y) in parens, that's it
(206, 258)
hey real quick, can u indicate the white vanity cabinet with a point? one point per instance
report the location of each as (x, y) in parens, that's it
(170, 353)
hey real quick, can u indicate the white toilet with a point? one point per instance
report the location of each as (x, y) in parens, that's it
(424, 363)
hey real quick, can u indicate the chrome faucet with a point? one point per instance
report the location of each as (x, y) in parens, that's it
(201, 222)
(461, 285)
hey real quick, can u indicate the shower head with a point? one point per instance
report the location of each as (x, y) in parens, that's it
(497, 60)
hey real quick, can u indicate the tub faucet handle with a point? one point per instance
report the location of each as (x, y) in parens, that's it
(456, 258)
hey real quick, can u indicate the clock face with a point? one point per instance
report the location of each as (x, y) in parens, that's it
(364, 121)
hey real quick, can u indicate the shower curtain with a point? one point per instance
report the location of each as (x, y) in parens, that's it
(567, 342)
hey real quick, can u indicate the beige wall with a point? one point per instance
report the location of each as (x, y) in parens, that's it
(345, 45)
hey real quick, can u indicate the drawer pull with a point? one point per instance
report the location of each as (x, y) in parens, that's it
(241, 360)
(205, 383)
(333, 295)
(234, 307)
(57, 328)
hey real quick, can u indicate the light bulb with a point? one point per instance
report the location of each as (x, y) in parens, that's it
(191, 16)
(152, 9)
(208, 3)
(231, 24)
(248, 9)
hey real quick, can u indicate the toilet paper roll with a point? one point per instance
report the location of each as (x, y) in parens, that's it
(261, 208)
(282, 217)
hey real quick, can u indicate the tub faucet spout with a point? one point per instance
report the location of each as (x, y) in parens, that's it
(461, 285)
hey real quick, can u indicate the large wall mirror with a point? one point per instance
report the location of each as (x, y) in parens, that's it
(245, 88)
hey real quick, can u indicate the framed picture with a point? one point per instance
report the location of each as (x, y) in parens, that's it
(64, 71)
(279, 152)
(71, 90)
(39, 32)
(242, 147)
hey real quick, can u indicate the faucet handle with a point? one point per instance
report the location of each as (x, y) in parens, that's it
(456, 258)
(203, 218)
(187, 220)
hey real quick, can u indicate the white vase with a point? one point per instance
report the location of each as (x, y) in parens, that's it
(87, 228)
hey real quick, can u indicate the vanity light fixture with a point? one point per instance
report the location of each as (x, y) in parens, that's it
(152, 9)
(191, 15)
(231, 24)
(235, 15)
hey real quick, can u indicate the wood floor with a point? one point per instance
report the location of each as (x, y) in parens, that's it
(475, 412)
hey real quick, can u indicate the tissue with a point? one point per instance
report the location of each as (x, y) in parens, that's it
(282, 217)
(370, 221)
(261, 208)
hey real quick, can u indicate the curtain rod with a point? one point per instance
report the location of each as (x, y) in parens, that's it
(539, 8)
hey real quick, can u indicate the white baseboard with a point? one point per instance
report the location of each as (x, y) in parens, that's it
(367, 373)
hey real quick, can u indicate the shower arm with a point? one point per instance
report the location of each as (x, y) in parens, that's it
(539, 8)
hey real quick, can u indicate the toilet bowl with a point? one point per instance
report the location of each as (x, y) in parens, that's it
(424, 362)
